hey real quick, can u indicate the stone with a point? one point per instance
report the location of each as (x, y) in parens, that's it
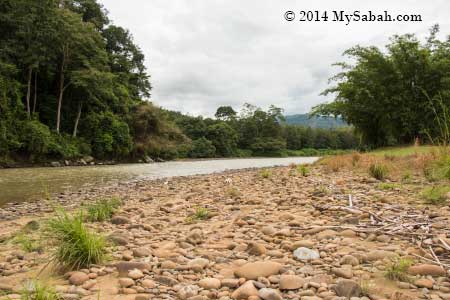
(4, 287)
(343, 272)
(210, 283)
(120, 220)
(245, 291)
(118, 238)
(141, 252)
(427, 269)
(256, 249)
(347, 288)
(187, 291)
(135, 274)
(326, 234)
(195, 237)
(124, 267)
(291, 282)
(148, 283)
(378, 255)
(303, 253)
(198, 262)
(349, 260)
(230, 282)
(142, 297)
(269, 294)
(78, 278)
(251, 271)
(55, 164)
(166, 280)
(126, 282)
(424, 283)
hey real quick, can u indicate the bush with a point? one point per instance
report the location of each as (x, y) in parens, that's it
(102, 209)
(378, 171)
(398, 269)
(436, 195)
(265, 173)
(270, 147)
(303, 170)
(38, 290)
(76, 246)
(36, 138)
(202, 148)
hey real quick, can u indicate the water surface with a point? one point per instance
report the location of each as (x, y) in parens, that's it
(30, 184)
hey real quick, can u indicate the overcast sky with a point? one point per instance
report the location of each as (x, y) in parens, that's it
(202, 54)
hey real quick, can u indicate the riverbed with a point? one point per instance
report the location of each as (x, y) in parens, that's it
(31, 184)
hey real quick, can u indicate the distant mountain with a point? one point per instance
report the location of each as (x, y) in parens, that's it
(315, 122)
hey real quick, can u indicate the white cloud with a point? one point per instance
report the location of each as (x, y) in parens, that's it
(205, 53)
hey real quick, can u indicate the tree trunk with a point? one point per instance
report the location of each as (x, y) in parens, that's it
(77, 120)
(30, 75)
(61, 89)
(35, 92)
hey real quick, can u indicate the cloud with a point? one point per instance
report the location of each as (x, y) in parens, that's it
(203, 54)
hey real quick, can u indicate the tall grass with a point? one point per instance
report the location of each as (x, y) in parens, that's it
(378, 171)
(436, 195)
(39, 290)
(102, 209)
(397, 270)
(76, 246)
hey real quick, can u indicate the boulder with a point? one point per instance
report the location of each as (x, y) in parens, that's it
(347, 288)
(245, 291)
(252, 271)
(291, 282)
(426, 269)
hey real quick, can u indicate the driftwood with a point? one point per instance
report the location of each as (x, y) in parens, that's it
(413, 225)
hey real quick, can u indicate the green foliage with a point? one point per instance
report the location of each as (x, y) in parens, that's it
(233, 192)
(202, 148)
(200, 214)
(75, 245)
(397, 270)
(27, 243)
(393, 95)
(436, 195)
(265, 173)
(378, 171)
(102, 209)
(39, 290)
(388, 186)
(303, 170)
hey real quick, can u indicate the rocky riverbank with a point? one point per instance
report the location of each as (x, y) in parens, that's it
(261, 235)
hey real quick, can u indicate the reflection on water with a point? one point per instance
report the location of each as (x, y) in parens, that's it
(28, 184)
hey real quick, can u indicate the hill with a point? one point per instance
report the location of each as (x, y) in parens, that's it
(315, 122)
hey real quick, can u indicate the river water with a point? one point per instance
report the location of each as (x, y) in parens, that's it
(30, 184)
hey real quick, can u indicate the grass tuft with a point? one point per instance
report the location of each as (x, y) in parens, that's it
(303, 170)
(378, 171)
(102, 209)
(265, 173)
(76, 246)
(38, 290)
(27, 243)
(397, 270)
(436, 195)
(233, 192)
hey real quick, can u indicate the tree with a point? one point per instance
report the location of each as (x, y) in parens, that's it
(225, 113)
(224, 139)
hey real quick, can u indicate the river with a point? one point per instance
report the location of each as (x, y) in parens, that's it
(31, 184)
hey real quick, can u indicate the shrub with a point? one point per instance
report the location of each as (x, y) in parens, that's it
(102, 209)
(336, 163)
(202, 148)
(38, 290)
(233, 192)
(36, 138)
(27, 243)
(265, 173)
(76, 246)
(303, 170)
(397, 270)
(436, 195)
(200, 213)
(378, 171)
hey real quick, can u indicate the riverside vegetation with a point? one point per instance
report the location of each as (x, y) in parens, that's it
(277, 233)
(73, 87)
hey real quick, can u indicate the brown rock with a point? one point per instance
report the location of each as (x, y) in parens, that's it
(291, 282)
(252, 271)
(78, 278)
(427, 269)
(424, 283)
(256, 249)
(245, 291)
(347, 288)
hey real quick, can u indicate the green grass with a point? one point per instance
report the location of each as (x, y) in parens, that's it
(265, 173)
(102, 209)
(403, 151)
(397, 270)
(38, 290)
(378, 171)
(436, 195)
(201, 213)
(27, 243)
(316, 152)
(233, 192)
(303, 170)
(76, 246)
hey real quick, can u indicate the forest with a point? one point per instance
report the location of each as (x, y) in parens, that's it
(395, 95)
(72, 84)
